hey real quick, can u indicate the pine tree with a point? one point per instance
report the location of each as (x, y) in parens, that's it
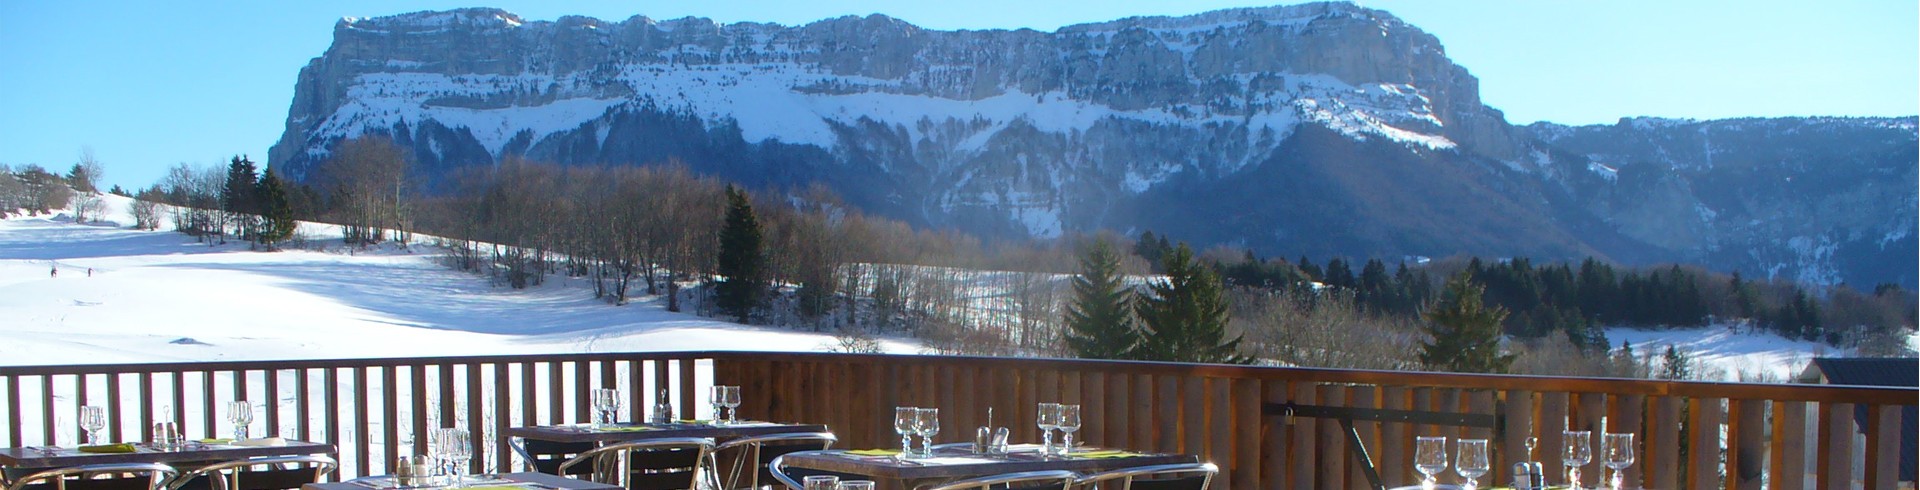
(1675, 364)
(1185, 318)
(741, 260)
(1100, 321)
(275, 209)
(1465, 333)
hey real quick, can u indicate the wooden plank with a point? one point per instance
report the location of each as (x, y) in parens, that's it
(1273, 436)
(208, 413)
(420, 418)
(448, 400)
(661, 385)
(1363, 397)
(1630, 412)
(1836, 445)
(476, 419)
(557, 392)
(270, 403)
(1519, 406)
(1301, 450)
(1115, 418)
(1093, 395)
(1663, 444)
(47, 411)
(1703, 442)
(1220, 433)
(1331, 442)
(1553, 420)
(1141, 416)
(1193, 415)
(1746, 439)
(503, 415)
(303, 404)
(1019, 420)
(14, 438)
(1166, 396)
(114, 425)
(390, 419)
(1591, 417)
(963, 419)
(688, 392)
(1395, 455)
(1883, 447)
(361, 426)
(1246, 443)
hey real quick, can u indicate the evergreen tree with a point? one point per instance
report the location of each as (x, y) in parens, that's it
(1100, 323)
(276, 210)
(1313, 272)
(1340, 275)
(1465, 333)
(1185, 318)
(741, 259)
(239, 198)
(1675, 364)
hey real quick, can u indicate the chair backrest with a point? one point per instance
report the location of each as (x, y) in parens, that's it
(546, 456)
(281, 473)
(1192, 476)
(125, 476)
(758, 453)
(653, 464)
(1026, 480)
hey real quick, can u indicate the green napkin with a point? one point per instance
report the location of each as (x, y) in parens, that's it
(108, 448)
(216, 441)
(625, 428)
(873, 452)
(696, 421)
(1103, 454)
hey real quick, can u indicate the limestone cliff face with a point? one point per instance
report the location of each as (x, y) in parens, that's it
(1326, 129)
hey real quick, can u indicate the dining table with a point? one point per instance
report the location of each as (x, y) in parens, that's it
(504, 481)
(192, 451)
(954, 463)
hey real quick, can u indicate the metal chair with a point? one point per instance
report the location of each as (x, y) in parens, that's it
(85, 477)
(546, 456)
(284, 473)
(760, 451)
(1025, 480)
(1189, 476)
(672, 463)
(777, 468)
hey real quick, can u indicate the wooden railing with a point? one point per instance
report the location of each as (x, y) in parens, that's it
(1692, 435)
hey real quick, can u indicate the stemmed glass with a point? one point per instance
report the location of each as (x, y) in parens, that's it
(452, 448)
(731, 399)
(606, 406)
(93, 419)
(926, 422)
(903, 424)
(1068, 423)
(821, 482)
(1048, 420)
(716, 397)
(240, 412)
(1619, 453)
(1578, 452)
(1472, 461)
(1430, 458)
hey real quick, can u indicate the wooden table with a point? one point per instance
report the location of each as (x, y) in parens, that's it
(34, 457)
(538, 480)
(631, 432)
(957, 463)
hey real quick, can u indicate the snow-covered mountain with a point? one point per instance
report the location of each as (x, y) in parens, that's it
(1325, 129)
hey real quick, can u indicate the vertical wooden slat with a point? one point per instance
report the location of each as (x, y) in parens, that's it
(179, 407)
(1193, 414)
(47, 436)
(114, 414)
(639, 399)
(362, 427)
(1883, 447)
(557, 392)
(1220, 437)
(1364, 397)
(1836, 445)
(1246, 443)
(1629, 413)
(660, 384)
(1302, 451)
(1116, 420)
(1663, 445)
(1746, 441)
(1703, 442)
(1331, 443)
(1395, 439)
(448, 400)
(529, 386)
(1273, 436)
(1519, 427)
(475, 385)
(208, 413)
(1482, 402)
(1553, 420)
(390, 417)
(688, 393)
(959, 415)
(1020, 416)
(330, 410)
(14, 438)
(503, 416)
(1141, 417)
(271, 401)
(1592, 411)
(419, 418)
(1167, 395)
(1093, 427)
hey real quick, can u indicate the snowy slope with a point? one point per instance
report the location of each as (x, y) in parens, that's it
(161, 297)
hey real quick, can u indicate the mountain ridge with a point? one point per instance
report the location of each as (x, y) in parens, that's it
(1117, 124)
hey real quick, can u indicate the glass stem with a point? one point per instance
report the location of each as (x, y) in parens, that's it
(906, 444)
(1046, 441)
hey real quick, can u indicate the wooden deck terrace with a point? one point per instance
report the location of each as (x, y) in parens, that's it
(1692, 435)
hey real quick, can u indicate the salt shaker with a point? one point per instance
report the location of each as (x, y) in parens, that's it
(1529, 474)
(662, 412)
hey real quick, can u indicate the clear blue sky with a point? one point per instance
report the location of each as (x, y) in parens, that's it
(148, 84)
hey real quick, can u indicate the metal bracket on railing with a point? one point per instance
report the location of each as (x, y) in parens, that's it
(1346, 416)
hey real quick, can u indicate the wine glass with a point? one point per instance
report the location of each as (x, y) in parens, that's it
(606, 406)
(1577, 453)
(1472, 461)
(820, 482)
(714, 397)
(1430, 458)
(856, 485)
(1048, 419)
(240, 412)
(926, 422)
(459, 450)
(731, 399)
(1619, 453)
(93, 419)
(903, 424)
(1069, 422)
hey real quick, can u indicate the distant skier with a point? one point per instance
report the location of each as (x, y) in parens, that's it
(89, 272)
(55, 272)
